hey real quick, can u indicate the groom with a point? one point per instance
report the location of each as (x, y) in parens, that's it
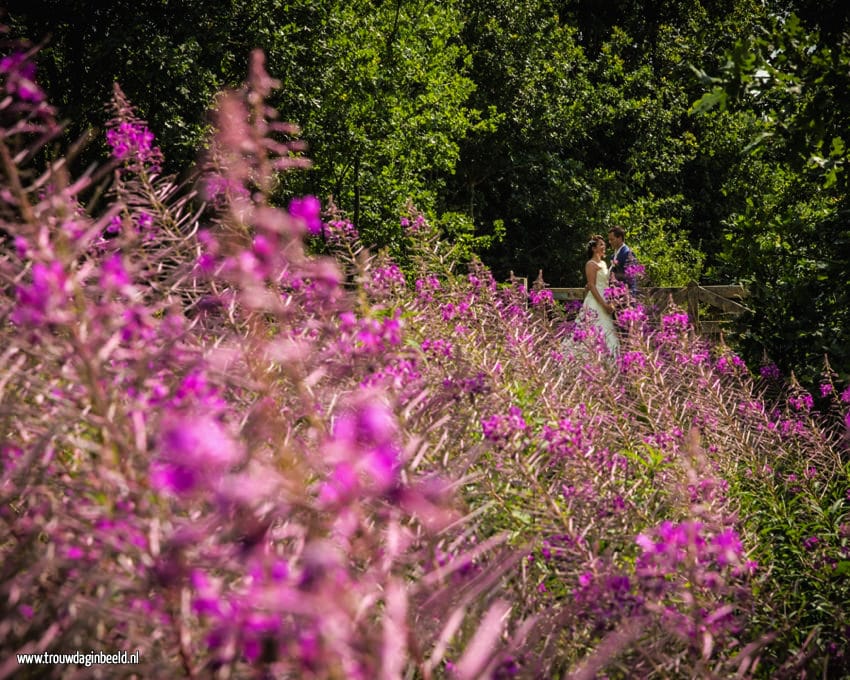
(623, 259)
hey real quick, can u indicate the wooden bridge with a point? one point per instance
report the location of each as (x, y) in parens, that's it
(711, 308)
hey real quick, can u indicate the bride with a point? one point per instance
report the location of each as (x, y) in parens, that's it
(597, 314)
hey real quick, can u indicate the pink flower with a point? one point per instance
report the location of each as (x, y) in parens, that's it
(801, 402)
(340, 486)
(74, 552)
(630, 361)
(307, 209)
(43, 300)
(192, 450)
(363, 443)
(113, 274)
(675, 322)
(770, 372)
(132, 143)
(541, 297)
(20, 78)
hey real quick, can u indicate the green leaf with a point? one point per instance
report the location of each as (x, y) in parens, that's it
(716, 98)
(830, 178)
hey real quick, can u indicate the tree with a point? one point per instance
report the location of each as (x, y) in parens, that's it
(595, 131)
(381, 93)
(792, 232)
(378, 88)
(169, 58)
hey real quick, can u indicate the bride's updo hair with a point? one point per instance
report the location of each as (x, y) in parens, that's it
(592, 243)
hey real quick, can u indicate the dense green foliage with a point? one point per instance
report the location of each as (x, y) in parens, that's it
(712, 131)
(790, 237)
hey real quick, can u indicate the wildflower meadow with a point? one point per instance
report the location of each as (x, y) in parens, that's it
(240, 442)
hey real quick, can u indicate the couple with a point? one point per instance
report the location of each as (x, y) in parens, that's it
(597, 313)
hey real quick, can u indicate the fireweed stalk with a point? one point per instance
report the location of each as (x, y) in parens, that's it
(243, 458)
(189, 460)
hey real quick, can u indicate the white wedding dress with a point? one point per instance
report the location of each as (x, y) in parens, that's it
(593, 320)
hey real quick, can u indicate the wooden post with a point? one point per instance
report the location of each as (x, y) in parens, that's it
(539, 282)
(521, 280)
(693, 304)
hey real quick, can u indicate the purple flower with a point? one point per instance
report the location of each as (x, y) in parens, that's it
(634, 271)
(114, 226)
(384, 280)
(475, 385)
(341, 231)
(207, 600)
(20, 78)
(414, 226)
(45, 298)
(631, 361)
(728, 547)
(363, 442)
(74, 552)
(196, 390)
(132, 143)
(145, 226)
(308, 210)
(541, 297)
(22, 248)
(438, 347)
(113, 275)
(770, 372)
(730, 364)
(632, 316)
(448, 311)
(397, 375)
(425, 288)
(677, 322)
(192, 449)
(219, 189)
(340, 486)
(801, 402)
(375, 336)
(500, 428)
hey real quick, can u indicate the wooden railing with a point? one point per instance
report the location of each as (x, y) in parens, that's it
(723, 301)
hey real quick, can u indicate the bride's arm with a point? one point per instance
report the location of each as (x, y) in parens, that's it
(590, 270)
